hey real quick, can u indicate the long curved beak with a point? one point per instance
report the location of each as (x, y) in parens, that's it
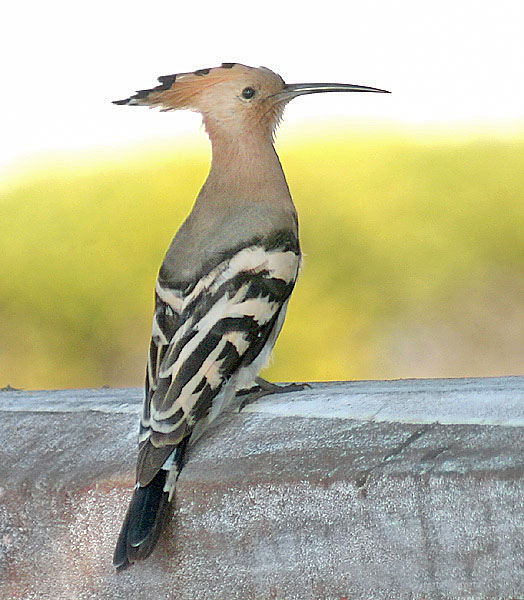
(292, 90)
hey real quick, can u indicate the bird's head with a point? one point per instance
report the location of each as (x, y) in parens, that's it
(232, 97)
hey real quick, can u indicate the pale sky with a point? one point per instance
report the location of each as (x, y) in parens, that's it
(458, 61)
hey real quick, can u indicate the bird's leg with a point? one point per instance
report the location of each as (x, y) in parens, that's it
(264, 388)
(273, 388)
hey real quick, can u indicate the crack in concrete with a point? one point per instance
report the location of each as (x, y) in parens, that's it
(362, 481)
(407, 442)
(433, 454)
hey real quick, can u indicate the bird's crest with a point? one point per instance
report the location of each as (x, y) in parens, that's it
(178, 91)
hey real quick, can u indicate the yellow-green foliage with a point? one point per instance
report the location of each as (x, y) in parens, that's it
(414, 260)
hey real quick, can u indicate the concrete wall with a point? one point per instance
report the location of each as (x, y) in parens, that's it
(388, 490)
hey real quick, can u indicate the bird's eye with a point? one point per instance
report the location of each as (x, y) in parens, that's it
(248, 93)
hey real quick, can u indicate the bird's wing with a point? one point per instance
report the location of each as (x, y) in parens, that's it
(224, 323)
(166, 320)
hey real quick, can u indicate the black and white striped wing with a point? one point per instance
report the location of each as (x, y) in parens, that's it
(166, 320)
(225, 322)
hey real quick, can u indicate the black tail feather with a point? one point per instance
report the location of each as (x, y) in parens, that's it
(149, 544)
(146, 516)
(143, 523)
(120, 555)
(144, 509)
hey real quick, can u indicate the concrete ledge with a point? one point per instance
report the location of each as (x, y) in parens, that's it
(387, 490)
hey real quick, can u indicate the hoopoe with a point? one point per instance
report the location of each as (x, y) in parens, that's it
(224, 285)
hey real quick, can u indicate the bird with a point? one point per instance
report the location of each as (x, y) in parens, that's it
(225, 282)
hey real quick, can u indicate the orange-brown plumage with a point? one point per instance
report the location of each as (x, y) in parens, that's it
(216, 93)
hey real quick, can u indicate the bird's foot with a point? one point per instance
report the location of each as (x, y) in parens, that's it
(264, 388)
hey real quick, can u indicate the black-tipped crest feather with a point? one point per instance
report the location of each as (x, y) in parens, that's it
(166, 83)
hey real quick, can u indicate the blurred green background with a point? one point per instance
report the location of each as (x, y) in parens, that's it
(414, 258)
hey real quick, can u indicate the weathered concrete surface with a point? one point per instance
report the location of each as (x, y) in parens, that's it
(387, 490)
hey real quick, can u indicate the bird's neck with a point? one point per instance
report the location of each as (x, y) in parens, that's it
(245, 168)
(244, 198)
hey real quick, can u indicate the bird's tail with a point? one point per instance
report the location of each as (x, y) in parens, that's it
(143, 523)
(148, 511)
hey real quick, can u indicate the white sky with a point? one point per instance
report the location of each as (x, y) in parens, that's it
(63, 62)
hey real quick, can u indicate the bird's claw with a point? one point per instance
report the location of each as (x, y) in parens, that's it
(264, 388)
